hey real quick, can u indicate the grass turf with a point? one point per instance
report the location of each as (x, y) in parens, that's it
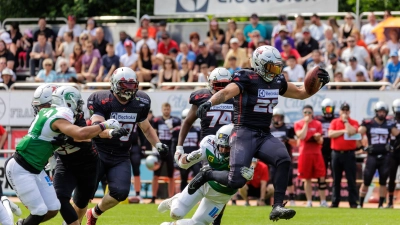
(147, 214)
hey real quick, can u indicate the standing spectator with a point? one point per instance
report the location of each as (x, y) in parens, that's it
(241, 57)
(120, 49)
(332, 22)
(145, 24)
(3, 65)
(71, 26)
(65, 73)
(257, 187)
(185, 73)
(368, 36)
(49, 33)
(254, 25)
(194, 42)
(215, 37)
(110, 62)
(282, 19)
(282, 36)
(66, 48)
(352, 69)
(4, 52)
(310, 162)
(317, 60)
(232, 65)
(145, 64)
(289, 51)
(187, 54)
(377, 71)
(204, 57)
(90, 28)
(335, 66)
(162, 27)
(343, 155)
(317, 28)
(166, 44)
(169, 73)
(164, 125)
(392, 70)
(41, 50)
(297, 34)
(6, 78)
(91, 62)
(3, 138)
(75, 58)
(26, 45)
(346, 29)
(99, 42)
(295, 71)
(130, 58)
(151, 43)
(46, 75)
(306, 46)
(358, 52)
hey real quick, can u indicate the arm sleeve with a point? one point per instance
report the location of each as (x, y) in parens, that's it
(284, 86)
(95, 107)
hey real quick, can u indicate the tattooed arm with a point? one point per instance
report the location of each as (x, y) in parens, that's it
(223, 95)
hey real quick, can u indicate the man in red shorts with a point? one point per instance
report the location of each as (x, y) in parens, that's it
(311, 163)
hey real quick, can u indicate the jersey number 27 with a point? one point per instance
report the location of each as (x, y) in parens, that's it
(220, 117)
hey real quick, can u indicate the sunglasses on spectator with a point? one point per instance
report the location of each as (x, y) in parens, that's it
(48, 65)
(307, 112)
(164, 38)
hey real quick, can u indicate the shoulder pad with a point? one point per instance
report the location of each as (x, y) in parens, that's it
(390, 122)
(200, 94)
(208, 140)
(367, 121)
(156, 119)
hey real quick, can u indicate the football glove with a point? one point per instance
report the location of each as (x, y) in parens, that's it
(323, 76)
(111, 124)
(162, 149)
(118, 132)
(389, 147)
(247, 172)
(203, 108)
(52, 164)
(369, 149)
(284, 139)
(193, 156)
(61, 139)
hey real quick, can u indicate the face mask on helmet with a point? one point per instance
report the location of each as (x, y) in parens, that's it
(223, 141)
(397, 115)
(37, 108)
(271, 70)
(219, 84)
(328, 111)
(127, 89)
(381, 116)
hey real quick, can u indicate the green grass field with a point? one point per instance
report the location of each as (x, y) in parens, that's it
(146, 214)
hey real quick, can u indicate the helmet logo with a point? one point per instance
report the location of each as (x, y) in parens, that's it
(69, 96)
(260, 50)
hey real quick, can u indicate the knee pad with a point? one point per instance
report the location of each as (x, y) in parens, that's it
(120, 194)
(39, 210)
(322, 185)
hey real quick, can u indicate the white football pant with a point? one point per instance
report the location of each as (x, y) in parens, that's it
(36, 191)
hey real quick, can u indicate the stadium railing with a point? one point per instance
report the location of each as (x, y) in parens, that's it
(3, 86)
(63, 19)
(30, 86)
(108, 85)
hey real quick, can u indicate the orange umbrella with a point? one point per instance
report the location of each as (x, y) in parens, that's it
(379, 30)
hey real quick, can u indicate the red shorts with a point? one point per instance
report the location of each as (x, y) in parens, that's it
(311, 166)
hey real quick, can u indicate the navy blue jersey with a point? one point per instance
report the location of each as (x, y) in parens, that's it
(216, 117)
(284, 130)
(257, 99)
(105, 104)
(192, 139)
(326, 122)
(163, 131)
(378, 134)
(135, 135)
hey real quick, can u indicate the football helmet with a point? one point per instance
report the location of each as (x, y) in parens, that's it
(219, 78)
(328, 108)
(267, 62)
(381, 106)
(278, 111)
(68, 96)
(42, 97)
(185, 112)
(222, 138)
(396, 106)
(124, 83)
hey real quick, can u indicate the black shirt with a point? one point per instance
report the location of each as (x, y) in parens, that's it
(220, 32)
(305, 49)
(378, 134)
(17, 37)
(210, 60)
(101, 46)
(49, 33)
(8, 55)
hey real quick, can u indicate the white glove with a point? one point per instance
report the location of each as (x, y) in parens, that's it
(195, 155)
(51, 165)
(247, 173)
(111, 124)
(179, 149)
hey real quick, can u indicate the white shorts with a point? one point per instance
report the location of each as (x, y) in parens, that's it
(36, 191)
(212, 202)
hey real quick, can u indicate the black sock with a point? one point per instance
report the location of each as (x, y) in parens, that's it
(97, 210)
(381, 200)
(153, 199)
(281, 182)
(362, 201)
(390, 199)
(33, 220)
(291, 196)
(219, 176)
(138, 193)
(234, 201)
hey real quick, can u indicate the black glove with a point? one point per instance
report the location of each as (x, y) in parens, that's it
(162, 149)
(396, 144)
(323, 77)
(285, 139)
(119, 132)
(389, 147)
(203, 108)
(61, 139)
(79, 115)
(369, 149)
(143, 152)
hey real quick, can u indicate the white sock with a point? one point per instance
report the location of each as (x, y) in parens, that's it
(94, 214)
(309, 202)
(323, 201)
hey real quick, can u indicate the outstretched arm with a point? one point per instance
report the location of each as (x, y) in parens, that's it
(225, 94)
(185, 161)
(295, 92)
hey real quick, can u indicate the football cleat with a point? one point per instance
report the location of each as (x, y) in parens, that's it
(389, 206)
(166, 204)
(309, 205)
(198, 180)
(292, 203)
(20, 222)
(280, 212)
(324, 205)
(91, 220)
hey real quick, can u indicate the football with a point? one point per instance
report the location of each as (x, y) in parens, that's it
(312, 83)
(152, 162)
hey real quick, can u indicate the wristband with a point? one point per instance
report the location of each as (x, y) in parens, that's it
(102, 127)
(187, 159)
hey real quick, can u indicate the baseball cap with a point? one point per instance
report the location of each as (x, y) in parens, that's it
(282, 18)
(353, 59)
(332, 56)
(234, 40)
(145, 17)
(162, 23)
(7, 71)
(254, 16)
(71, 18)
(285, 42)
(128, 43)
(5, 36)
(283, 28)
(306, 30)
(394, 54)
(344, 106)
(202, 44)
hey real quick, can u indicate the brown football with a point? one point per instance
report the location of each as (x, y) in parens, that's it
(312, 83)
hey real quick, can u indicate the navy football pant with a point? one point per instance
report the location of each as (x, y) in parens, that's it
(394, 165)
(376, 162)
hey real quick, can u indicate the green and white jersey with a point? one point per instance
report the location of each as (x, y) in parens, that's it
(216, 161)
(35, 147)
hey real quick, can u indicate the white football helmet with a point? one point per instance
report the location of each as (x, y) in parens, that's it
(68, 96)
(124, 83)
(222, 138)
(219, 78)
(267, 62)
(185, 112)
(396, 106)
(278, 111)
(381, 106)
(327, 107)
(42, 97)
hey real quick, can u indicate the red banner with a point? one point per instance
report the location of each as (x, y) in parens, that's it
(16, 136)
